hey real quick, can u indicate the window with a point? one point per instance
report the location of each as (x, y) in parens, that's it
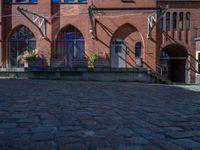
(168, 21)
(20, 1)
(33, 1)
(188, 21)
(22, 40)
(56, 1)
(198, 62)
(174, 20)
(7, 1)
(161, 23)
(69, 1)
(118, 49)
(181, 21)
(138, 49)
(70, 43)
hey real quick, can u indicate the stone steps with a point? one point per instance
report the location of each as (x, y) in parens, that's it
(85, 74)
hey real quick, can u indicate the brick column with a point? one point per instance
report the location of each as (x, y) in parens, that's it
(45, 44)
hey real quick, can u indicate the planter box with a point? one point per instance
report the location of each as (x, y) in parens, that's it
(57, 63)
(79, 63)
(34, 64)
(102, 64)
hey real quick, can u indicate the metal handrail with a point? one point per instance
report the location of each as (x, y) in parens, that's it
(160, 72)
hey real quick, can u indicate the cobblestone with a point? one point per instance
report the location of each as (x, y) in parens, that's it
(60, 115)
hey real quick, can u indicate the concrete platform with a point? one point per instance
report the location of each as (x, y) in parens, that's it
(82, 74)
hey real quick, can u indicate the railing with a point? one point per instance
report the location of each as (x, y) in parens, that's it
(12, 69)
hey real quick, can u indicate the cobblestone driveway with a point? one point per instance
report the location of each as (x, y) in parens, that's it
(63, 115)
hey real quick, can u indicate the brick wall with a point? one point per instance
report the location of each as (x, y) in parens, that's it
(109, 23)
(184, 37)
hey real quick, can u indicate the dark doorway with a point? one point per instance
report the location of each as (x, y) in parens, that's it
(173, 61)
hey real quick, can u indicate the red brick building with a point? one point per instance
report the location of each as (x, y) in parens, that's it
(159, 35)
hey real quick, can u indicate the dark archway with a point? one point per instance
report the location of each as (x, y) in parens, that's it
(21, 40)
(173, 61)
(70, 44)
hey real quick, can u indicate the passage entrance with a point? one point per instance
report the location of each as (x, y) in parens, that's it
(173, 61)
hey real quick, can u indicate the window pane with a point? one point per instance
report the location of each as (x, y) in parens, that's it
(168, 21)
(138, 48)
(161, 23)
(188, 21)
(181, 21)
(174, 20)
(23, 39)
(73, 44)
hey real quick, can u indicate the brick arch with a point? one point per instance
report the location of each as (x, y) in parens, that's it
(16, 28)
(9, 36)
(177, 43)
(123, 31)
(174, 62)
(175, 50)
(66, 26)
(70, 47)
(130, 35)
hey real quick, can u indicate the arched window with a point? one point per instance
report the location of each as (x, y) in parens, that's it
(161, 23)
(188, 20)
(138, 49)
(181, 21)
(174, 20)
(21, 40)
(70, 44)
(168, 21)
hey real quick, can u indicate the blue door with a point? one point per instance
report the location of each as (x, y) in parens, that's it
(74, 45)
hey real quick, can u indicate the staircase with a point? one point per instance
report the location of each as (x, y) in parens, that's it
(158, 78)
(85, 74)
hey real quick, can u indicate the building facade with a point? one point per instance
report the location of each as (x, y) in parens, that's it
(161, 35)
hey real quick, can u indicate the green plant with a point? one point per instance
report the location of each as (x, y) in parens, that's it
(27, 56)
(91, 60)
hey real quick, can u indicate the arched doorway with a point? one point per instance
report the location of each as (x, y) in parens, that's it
(21, 40)
(70, 44)
(118, 54)
(173, 61)
(124, 45)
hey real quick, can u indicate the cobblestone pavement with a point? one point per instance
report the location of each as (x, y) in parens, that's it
(63, 115)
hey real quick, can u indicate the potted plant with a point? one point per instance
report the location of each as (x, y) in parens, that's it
(91, 60)
(30, 59)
